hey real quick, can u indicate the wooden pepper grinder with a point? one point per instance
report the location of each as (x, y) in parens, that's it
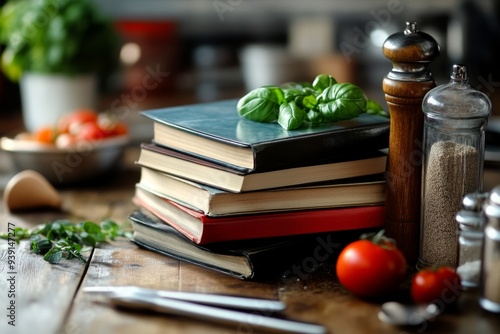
(410, 52)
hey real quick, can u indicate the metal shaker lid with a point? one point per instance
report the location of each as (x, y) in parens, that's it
(492, 207)
(459, 72)
(474, 201)
(469, 220)
(495, 196)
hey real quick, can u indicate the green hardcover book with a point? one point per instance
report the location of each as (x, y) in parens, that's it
(216, 132)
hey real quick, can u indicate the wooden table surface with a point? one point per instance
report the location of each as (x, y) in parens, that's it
(49, 299)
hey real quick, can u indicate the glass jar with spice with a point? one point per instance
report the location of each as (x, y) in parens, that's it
(455, 117)
(470, 230)
(490, 265)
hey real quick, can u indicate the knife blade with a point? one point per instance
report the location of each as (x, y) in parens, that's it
(243, 320)
(243, 303)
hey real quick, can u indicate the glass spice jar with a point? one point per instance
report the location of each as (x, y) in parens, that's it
(490, 266)
(455, 117)
(470, 223)
(469, 258)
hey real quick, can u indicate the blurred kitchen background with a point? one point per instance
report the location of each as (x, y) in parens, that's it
(205, 50)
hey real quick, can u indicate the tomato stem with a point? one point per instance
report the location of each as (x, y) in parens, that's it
(379, 238)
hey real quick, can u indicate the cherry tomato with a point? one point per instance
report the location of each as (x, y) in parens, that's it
(75, 119)
(371, 266)
(84, 124)
(91, 131)
(434, 284)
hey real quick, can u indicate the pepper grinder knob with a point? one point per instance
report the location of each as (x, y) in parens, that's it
(410, 51)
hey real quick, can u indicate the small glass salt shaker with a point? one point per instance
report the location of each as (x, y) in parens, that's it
(470, 221)
(455, 118)
(490, 267)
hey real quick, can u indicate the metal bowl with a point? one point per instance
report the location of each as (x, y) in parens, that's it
(84, 161)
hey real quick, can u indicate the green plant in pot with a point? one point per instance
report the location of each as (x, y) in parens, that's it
(56, 49)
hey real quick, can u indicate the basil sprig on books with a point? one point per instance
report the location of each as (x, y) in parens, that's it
(293, 104)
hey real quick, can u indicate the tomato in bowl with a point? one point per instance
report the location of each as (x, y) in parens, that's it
(83, 145)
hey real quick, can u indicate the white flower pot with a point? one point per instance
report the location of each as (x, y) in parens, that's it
(267, 65)
(45, 98)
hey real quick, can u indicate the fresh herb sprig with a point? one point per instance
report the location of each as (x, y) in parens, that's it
(64, 239)
(293, 104)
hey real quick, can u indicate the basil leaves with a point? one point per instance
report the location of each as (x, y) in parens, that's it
(293, 104)
(342, 101)
(262, 105)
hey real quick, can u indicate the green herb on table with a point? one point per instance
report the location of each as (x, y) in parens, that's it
(294, 104)
(64, 239)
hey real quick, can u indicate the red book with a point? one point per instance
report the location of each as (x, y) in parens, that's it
(203, 229)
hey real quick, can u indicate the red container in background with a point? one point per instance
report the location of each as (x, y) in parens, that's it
(149, 55)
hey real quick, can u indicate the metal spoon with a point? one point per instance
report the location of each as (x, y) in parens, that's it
(400, 314)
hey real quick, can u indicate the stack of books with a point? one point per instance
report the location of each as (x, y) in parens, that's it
(233, 195)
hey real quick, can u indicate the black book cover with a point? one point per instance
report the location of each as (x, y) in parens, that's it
(258, 259)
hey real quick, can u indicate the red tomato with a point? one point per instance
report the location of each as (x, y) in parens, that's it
(371, 267)
(434, 284)
(90, 131)
(84, 124)
(76, 119)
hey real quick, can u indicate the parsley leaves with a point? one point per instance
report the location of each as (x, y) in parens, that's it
(64, 239)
